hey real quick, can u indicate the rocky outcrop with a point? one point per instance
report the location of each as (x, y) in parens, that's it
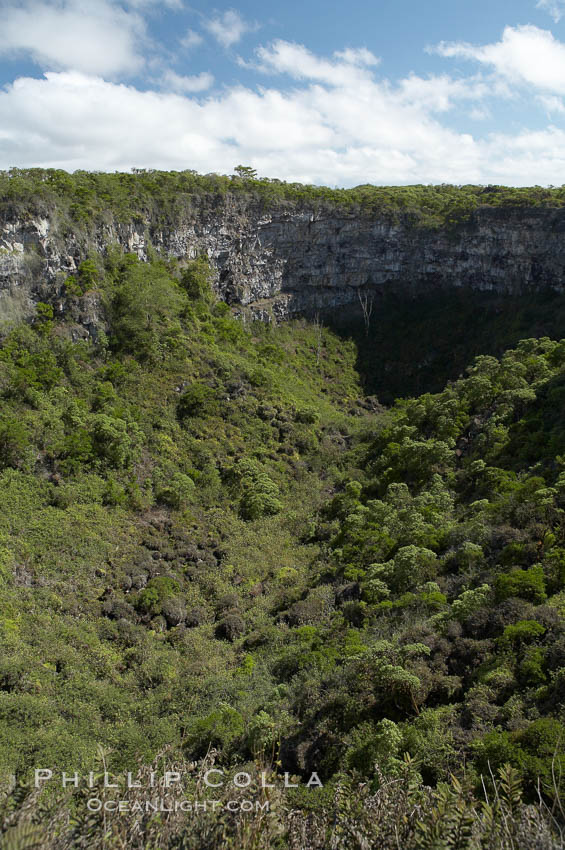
(292, 260)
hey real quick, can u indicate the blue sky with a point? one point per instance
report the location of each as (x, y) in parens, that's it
(389, 91)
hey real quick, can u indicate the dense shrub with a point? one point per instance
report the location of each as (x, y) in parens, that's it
(198, 400)
(526, 584)
(209, 539)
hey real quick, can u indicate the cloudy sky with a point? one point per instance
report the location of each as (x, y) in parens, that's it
(367, 91)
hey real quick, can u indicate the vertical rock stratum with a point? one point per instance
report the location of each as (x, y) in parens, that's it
(294, 260)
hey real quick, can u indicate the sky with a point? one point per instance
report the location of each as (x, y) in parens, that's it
(366, 91)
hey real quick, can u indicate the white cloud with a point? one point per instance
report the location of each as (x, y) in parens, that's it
(191, 40)
(92, 36)
(531, 157)
(438, 93)
(228, 28)
(479, 113)
(556, 8)
(145, 4)
(283, 57)
(552, 103)
(357, 56)
(322, 133)
(187, 85)
(339, 124)
(148, 4)
(525, 55)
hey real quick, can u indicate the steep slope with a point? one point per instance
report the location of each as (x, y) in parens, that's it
(281, 250)
(215, 550)
(197, 515)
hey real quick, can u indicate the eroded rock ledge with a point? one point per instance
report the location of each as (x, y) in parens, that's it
(294, 261)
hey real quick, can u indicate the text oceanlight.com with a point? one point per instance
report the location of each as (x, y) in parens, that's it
(164, 804)
(107, 788)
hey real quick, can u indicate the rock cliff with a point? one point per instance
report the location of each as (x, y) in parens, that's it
(293, 260)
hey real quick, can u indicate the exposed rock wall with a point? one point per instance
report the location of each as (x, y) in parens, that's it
(292, 260)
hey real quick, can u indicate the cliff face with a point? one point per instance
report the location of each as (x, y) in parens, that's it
(291, 260)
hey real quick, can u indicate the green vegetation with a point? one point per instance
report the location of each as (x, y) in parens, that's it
(84, 196)
(417, 344)
(213, 546)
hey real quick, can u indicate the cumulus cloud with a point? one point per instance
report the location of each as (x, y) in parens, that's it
(340, 132)
(187, 85)
(556, 8)
(319, 133)
(338, 124)
(439, 93)
(93, 36)
(149, 4)
(531, 157)
(525, 55)
(346, 68)
(228, 28)
(191, 40)
(357, 56)
(479, 113)
(552, 103)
